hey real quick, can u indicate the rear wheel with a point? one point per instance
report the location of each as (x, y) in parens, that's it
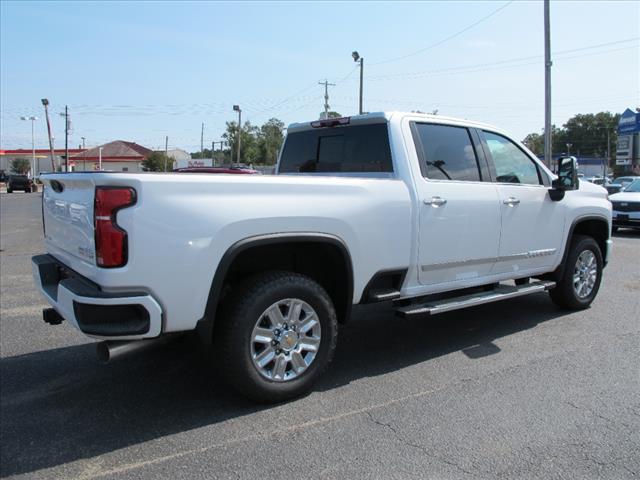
(582, 274)
(9, 190)
(276, 335)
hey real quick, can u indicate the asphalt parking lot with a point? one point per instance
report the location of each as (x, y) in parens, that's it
(518, 389)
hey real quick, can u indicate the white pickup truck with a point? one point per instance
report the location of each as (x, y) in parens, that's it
(431, 213)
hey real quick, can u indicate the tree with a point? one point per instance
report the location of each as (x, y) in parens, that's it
(535, 143)
(20, 166)
(157, 162)
(249, 148)
(583, 134)
(270, 140)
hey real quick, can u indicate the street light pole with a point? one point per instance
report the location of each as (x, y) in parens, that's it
(45, 103)
(356, 57)
(569, 145)
(33, 144)
(236, 108)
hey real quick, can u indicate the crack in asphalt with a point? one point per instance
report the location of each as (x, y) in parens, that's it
(424, 450)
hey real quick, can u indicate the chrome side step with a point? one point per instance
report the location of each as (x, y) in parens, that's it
(502, 292)
(383, 295)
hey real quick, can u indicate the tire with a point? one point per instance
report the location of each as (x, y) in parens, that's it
(583, 252)
(614, 229)
(251, 306)
(9, 190)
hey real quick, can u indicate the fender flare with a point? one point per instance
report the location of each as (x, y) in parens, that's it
(205, 325)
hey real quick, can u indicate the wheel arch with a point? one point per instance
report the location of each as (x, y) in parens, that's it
(331, 267)
(594, 226)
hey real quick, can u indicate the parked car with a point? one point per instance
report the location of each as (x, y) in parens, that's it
(431, 213)
(231, 169)
(626, 206)
(19, 182)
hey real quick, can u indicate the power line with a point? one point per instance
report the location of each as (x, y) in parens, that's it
(446, 39)
(513, 60)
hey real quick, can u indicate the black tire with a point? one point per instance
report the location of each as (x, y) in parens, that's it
(564, 294)
(9, 190)
(614, 229)
(239, 314)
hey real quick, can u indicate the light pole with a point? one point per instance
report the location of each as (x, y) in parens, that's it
(100, 158)
(236, 108)
(569, 145)
(33, 144)
(45, 103)
(356, 57)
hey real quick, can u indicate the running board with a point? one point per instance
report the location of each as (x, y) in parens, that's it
(502, 292)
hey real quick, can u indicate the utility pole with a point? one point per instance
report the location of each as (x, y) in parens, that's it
(66, 138)
(213, 148)
(608, 154)
(84, 160)
(202, 142)
(326, 96)
(547, 87)
(166, 151)
(236, 108)
(45, 102)
(100, 158)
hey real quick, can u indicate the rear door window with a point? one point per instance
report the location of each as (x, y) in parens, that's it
(358, 148)
(446, 152)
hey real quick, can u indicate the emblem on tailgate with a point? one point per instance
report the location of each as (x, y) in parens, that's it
(85, 253)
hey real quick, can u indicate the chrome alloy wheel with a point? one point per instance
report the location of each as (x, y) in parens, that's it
(285, 340)
(585, 274)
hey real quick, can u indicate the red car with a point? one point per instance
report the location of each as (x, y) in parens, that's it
(238, 170)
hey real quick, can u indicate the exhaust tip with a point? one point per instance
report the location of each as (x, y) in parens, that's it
(102, 352)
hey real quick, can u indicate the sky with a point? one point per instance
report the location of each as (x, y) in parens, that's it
(141, 71)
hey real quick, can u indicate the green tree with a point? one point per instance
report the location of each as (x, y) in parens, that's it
(20, 166)
(157, 162)
(535, 143)
(270, 140)
(583, 134)
(249, 147)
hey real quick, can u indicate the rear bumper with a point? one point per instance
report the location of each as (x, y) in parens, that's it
(99, 314)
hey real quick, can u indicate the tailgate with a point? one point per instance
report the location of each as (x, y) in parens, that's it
(67, 211)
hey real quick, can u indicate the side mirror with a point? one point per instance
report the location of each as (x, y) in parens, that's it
(567, 178)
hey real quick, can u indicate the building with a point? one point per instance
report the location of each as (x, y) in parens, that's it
(42, 160)
(118, 156)
(628, 148)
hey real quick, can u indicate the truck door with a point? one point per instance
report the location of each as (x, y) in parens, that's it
(459, 229)
(532, 225)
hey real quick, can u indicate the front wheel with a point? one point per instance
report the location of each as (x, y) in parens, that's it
(276, 335)
(580, 281)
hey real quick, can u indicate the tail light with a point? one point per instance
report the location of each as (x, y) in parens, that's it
(111, 240)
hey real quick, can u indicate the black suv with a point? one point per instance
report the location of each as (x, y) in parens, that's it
(19, 182)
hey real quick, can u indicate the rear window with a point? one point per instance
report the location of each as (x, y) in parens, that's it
(360, 148)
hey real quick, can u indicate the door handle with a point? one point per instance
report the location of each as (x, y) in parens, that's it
(435, 201)
(511, 201)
